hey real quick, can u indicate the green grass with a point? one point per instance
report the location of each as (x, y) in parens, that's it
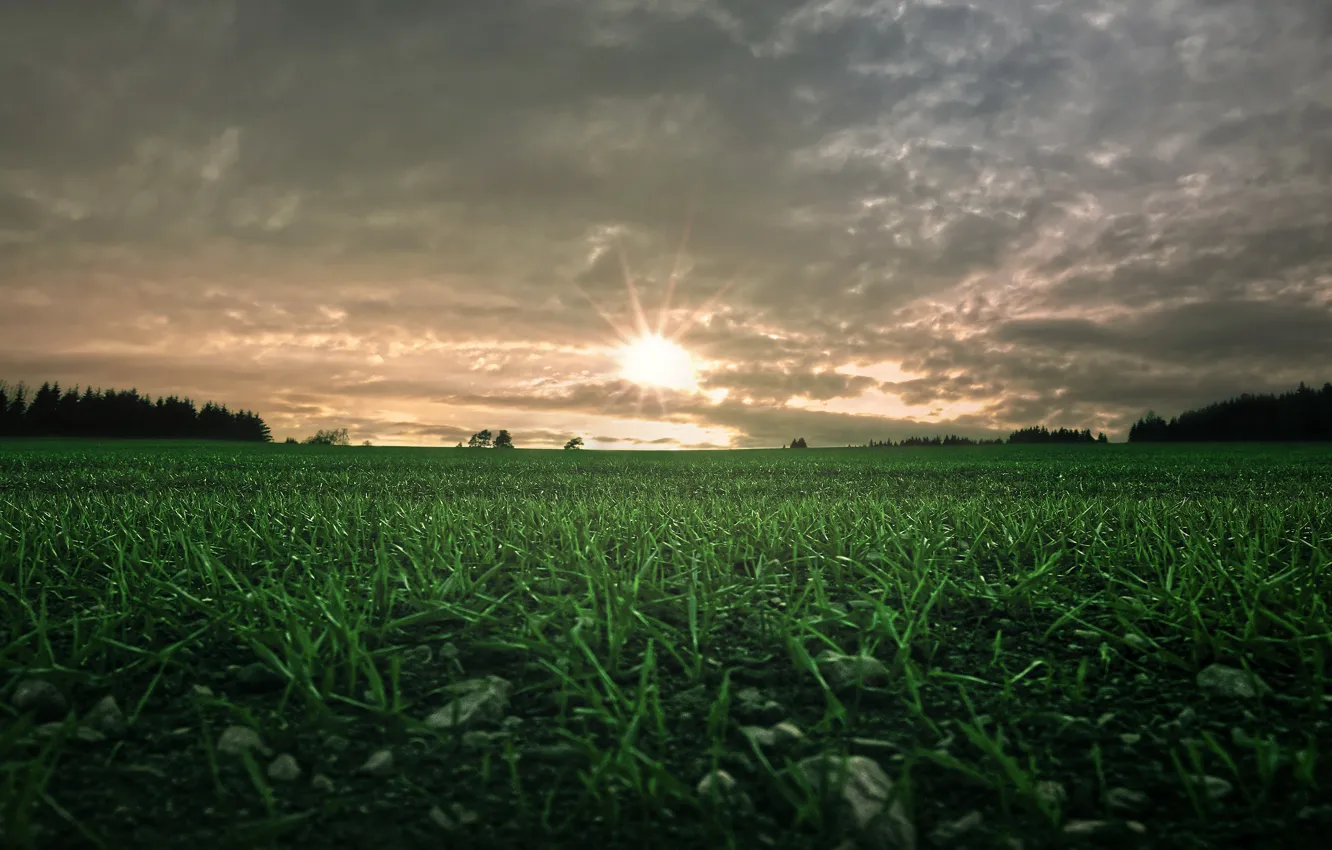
(1040, 613)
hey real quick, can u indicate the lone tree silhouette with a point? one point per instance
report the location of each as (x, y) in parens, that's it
(336, 437)
(480, 440)
(575, 443)
(503, 440)
(799, 443)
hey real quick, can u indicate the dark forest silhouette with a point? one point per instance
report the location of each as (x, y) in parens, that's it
(52, 412)
(1034, 434)
(1302, 414)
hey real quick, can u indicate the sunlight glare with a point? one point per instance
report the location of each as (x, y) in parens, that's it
(655, 361)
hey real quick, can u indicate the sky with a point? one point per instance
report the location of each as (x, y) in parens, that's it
(856, 220)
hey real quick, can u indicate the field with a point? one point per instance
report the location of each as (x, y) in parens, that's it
(212, 645)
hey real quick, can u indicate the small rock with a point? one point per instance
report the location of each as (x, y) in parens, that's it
(1188, 715)
(442, 820)
(448, 650)
(1220, 680)
(719, 788)
(1085, 827)
(478, 740)
(1050, 792)
(1136, 640)
(380, 763)
(716, 785)
(864, 793)
(106, 717)
(782, 734)
(843, 671)
(752, 703)
(89, 735)
(1125, 799)
(236, 740)
(41, 698)
(258, 677)
(949, 831)
(481, 701)
(336, 744)
(284, 769)
(320, 782)
(202, 690)
(1215, 787)
(1130, 738)
(461, 816)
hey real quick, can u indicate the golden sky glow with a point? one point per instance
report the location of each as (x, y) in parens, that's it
(668, 224)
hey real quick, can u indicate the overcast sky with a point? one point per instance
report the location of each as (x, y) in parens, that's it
(933, 217)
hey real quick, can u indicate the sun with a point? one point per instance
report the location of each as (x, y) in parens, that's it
(649, 356)
(654, 361)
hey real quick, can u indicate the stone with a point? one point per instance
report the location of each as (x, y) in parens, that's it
(336, 744)
(478, 740)
(842, 671)
(1050, 792)
(237, 740)
(480, 701)
(380, 763)
(781, 735)
(1085, 827)
(458, 815)
(40, 698)
(865, 801)
(320, 782)
(1223, 681)
(284, 769)
(89, 735)
(949, 831)
(717, 785)
(106, 717)
(1125, 799)
(1215, 787)
(753, 704)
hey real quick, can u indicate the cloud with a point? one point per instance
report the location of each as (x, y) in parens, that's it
(1066, 210)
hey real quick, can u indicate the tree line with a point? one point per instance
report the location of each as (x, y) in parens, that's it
(1300, 415)
(1032, 434)
(53, 412)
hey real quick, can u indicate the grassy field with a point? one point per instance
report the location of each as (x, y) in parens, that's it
(211, 645)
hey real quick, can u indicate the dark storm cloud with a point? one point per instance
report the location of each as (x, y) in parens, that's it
(1062, 210)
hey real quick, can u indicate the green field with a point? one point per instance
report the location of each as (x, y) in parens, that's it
(353, 647)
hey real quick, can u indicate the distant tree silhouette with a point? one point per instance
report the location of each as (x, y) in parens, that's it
(575, 443)
(799, 443)
(503, 440)
(291, 441)
(480, 440)
(1039, 434)
(331, 437)
(1102, 438)
(950, 440)
(124, 413)
(1300, 415)
(367, 444)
